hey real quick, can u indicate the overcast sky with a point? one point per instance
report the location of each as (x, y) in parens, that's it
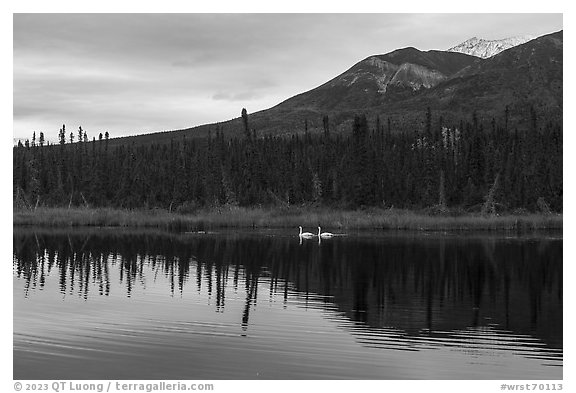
(139, 73)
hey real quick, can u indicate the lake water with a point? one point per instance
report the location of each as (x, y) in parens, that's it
(114, 304)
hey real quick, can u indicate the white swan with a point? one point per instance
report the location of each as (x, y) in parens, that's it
(324, 235)
(305, 234)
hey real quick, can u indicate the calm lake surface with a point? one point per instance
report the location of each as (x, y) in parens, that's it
(115, 304)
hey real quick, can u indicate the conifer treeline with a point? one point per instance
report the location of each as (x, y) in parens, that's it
(442, 165)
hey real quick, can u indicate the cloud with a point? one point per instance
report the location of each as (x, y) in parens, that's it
(244, 96)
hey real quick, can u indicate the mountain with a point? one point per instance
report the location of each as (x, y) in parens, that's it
(402, 84)
(379, 79)
(487, 48)
(527, 75)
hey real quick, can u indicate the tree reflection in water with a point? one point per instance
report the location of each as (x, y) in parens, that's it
(420, 285)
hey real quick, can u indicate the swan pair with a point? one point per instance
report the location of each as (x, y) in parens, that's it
(308, 235)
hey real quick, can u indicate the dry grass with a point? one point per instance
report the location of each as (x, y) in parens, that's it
(237, 217)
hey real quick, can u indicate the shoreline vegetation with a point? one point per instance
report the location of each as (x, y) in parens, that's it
(292, 217)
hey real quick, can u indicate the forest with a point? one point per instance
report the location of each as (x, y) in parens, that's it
(470, 166)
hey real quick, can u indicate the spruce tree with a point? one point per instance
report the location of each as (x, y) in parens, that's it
(245, 122)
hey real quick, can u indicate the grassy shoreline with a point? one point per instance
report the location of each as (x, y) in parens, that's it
(308, 217)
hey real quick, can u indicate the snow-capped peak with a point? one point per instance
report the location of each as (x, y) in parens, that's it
(487, 48)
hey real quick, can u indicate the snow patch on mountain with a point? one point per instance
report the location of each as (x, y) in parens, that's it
(487, 48)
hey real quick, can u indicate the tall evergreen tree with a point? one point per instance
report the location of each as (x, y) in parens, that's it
(245, 122)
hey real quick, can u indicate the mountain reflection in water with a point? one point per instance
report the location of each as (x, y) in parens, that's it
(482, 307)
